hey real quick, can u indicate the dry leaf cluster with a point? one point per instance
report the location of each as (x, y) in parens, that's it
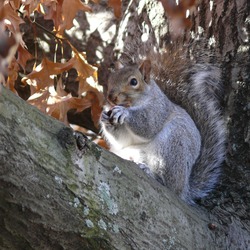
(47, 91)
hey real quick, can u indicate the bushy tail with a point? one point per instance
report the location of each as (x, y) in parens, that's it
(198, 89)
(202, 99)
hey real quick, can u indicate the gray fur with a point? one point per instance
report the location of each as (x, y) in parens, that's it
(156, 132)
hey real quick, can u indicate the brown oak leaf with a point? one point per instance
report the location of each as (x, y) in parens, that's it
(43, 75)
(116, 5)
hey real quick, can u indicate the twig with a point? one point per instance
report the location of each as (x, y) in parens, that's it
(41, 27)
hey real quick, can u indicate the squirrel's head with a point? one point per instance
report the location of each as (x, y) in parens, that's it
(128, 83)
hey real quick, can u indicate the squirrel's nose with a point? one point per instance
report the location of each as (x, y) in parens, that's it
(112, 98)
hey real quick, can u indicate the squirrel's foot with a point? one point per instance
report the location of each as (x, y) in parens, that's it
(105, 117)
(146, 169)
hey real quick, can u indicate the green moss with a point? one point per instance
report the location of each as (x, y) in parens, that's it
(97, 243)
(95, 150)
(73, 187)
(94, 227)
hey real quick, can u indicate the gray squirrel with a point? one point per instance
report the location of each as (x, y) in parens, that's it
(141, 124)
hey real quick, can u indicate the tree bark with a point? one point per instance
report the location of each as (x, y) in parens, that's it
(58, 192)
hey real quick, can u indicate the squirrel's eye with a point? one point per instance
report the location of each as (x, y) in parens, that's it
(133, 82)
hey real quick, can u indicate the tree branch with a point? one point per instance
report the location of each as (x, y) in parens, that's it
(55, 194)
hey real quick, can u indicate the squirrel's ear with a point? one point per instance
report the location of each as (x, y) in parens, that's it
(145, 69)
(118, 65)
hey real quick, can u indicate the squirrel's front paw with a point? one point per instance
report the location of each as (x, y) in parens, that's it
(105, 117)
(118, 114)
